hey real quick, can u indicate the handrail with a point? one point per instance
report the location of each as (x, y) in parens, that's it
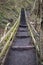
(10, 34)
(32, 29)
(33, 37)
(5, 36)
(7, 44)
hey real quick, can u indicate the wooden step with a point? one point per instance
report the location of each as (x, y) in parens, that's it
(22, 47)
(22, 37)
(24, 26)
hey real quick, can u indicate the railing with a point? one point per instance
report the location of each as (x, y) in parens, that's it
(34, 33)
(35, 37)
(6, 40)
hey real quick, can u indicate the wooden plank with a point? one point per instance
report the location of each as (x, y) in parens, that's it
(22, 47)
(8, 42)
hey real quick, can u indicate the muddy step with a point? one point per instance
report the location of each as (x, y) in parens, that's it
(22, 41)
(22, 34)
(21, 28)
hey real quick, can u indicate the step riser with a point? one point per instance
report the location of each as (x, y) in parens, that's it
(22, 37)
(19, 48)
